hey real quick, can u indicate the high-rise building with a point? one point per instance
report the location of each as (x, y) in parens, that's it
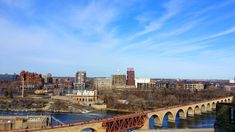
(119, 81)
(130, 77)
(102, 83)
(80, 80)
(80, 77)
(48, 78)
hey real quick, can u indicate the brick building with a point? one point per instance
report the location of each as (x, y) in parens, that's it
(119, 81)
(130, 77)
(31, 79)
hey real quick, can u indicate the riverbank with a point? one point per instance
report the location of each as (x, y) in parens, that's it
(120, 110)
(28, 104)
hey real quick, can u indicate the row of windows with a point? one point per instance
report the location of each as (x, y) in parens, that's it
(85, 100)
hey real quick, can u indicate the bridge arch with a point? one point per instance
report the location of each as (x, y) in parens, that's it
(208, 107)
(190, 111)
(229, 100)
(217, 102)
(197, 110)
(170, 116)
(221, 101)
(89, 129)
(182, 114)
(203, 108)
(156, 121)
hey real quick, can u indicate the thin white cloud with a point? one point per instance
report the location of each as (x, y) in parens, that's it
(15, 38)
(172, 8)
(215, 7)
(137, 45)
(173, 48)
(92, 18)
(150, 42)
(172, 51)
(219, 34)
(175, 32)
(53, 46)
(194, 41)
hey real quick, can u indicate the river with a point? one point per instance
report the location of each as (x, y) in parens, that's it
(65, 117)
(199, 121)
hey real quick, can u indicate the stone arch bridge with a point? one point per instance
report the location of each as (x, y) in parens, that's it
(184, 111)
(140, 120)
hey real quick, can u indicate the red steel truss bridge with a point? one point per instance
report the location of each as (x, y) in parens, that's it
(124, 122)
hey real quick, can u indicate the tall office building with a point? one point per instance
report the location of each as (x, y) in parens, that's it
(48, 78)
(80, 80)
(130, 77)
(80, 77)
(119, 81)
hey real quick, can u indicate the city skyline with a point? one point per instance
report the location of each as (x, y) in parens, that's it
(160, 39)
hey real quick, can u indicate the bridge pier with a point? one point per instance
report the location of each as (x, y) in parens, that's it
(190, 114)
(171, 120)
(198, 113)
(209, 110)
(183, 117)
(159, 124)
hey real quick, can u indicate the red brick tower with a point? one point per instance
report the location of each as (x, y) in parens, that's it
(130, 77)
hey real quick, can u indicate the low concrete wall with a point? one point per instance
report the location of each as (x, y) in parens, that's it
(99, 107)
(64, 98)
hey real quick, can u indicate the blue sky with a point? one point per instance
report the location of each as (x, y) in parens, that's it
(159, 38)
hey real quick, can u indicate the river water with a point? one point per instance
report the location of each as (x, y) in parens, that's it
(199, 121)
(65, 117)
